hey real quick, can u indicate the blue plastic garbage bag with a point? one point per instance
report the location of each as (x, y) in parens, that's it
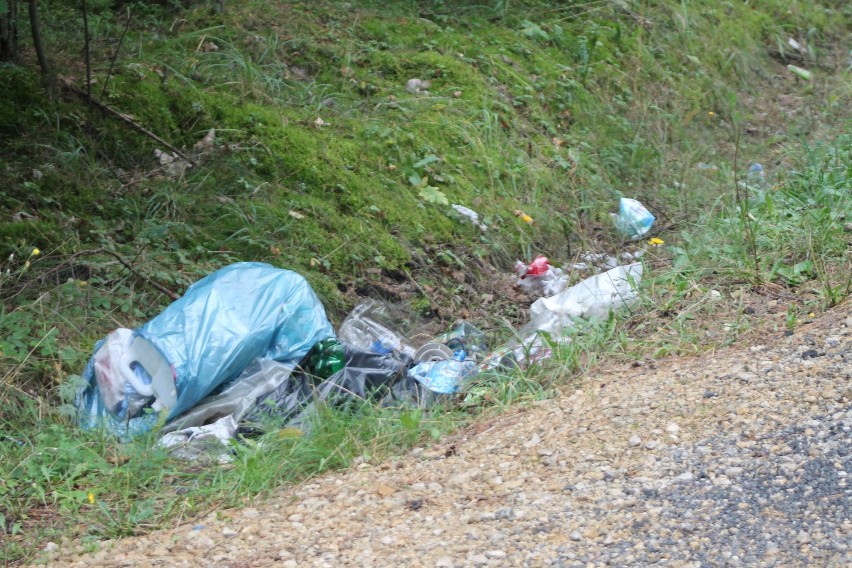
(223, 322)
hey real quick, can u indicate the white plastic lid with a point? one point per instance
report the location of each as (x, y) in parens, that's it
(145, 354)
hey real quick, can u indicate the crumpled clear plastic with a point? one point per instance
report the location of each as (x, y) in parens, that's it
(465, 337)
(444, 377)
(363, 328)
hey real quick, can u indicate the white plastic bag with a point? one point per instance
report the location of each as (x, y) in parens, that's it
(107, 360)
(593, 297)
(469, 214)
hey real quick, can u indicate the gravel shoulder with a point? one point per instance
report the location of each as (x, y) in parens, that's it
(737, 458)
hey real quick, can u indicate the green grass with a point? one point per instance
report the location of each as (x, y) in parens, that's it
(555, 110)
(54, 474)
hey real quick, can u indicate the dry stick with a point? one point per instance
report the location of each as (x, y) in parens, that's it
(128, 266)
(130, 122)
(86, 51)
(118, 48)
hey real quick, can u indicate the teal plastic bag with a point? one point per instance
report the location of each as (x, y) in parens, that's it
(224, 321)
(633, 219)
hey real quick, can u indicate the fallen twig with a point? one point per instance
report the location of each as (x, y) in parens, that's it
(129, 121)
(128, 266)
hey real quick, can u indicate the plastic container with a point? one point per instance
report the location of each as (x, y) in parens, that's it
(362, 329)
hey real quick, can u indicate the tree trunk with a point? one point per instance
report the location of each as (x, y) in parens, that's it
(8, 30)
(35, 26)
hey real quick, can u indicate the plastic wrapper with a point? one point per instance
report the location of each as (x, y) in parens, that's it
(470, 215)
(224, 321)
(593, 297)
(194, 442)
(444, 377)
(633, 219)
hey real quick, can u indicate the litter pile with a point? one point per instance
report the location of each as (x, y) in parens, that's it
(249, 348)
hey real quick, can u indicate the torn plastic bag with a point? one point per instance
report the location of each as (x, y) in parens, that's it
(196, 442)
(207, 337)
(470, 215)
(593, 297)
(366, 328)
(408, 392)
(633, 219)
(237, 398)
(365, 376)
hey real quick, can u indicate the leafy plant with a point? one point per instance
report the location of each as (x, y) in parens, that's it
(432, 194)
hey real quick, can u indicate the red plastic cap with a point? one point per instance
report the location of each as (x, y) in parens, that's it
(538, 266)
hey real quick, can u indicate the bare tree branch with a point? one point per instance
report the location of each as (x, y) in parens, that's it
(129, 121)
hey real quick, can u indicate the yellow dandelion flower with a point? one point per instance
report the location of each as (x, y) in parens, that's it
(811, 315)
(655, 242)
(523, 216)
(35, 252)
(711, 114)
(91, 497)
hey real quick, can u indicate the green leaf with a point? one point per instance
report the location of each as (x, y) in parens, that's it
(425, 162)
(534, 31)
(804, 267)
(432, 194)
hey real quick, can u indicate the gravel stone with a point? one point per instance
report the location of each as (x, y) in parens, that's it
(750, 468)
